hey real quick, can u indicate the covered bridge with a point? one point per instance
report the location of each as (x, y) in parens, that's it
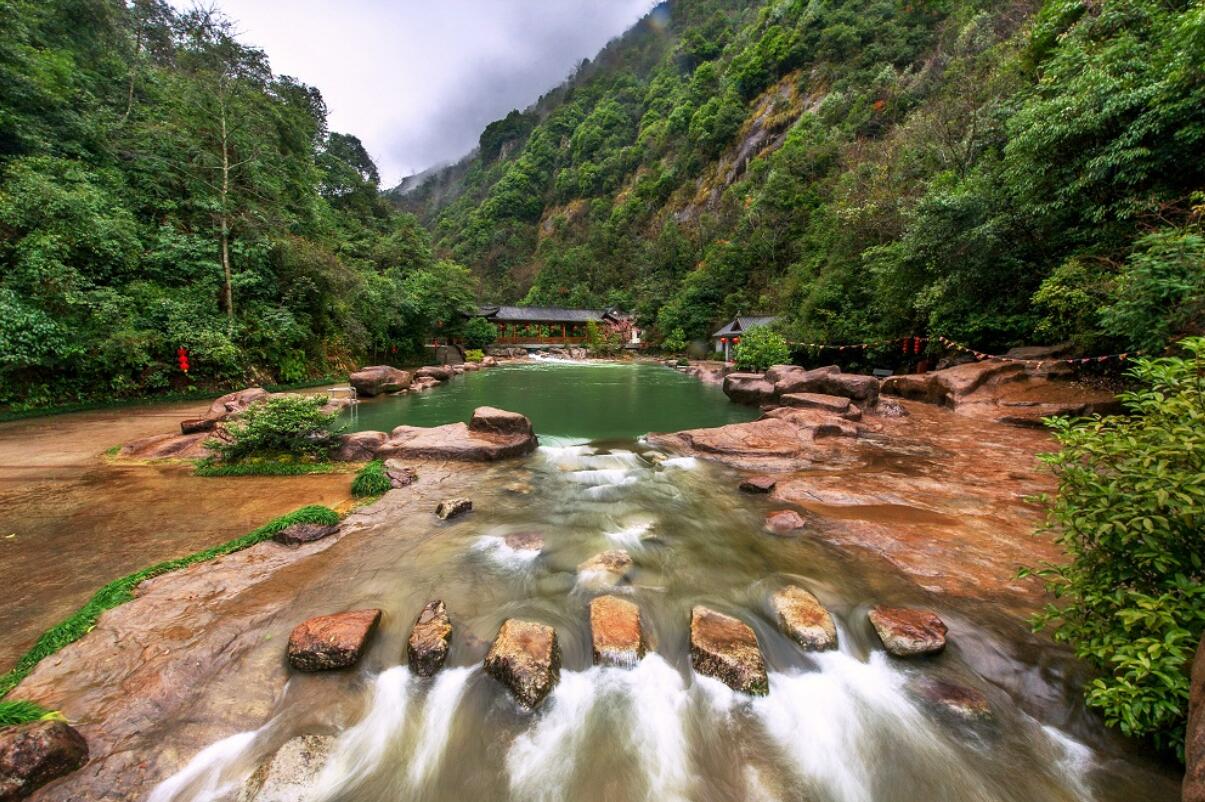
(555, 325)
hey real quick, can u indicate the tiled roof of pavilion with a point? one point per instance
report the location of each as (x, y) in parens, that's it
(744, 323)
(540, 314)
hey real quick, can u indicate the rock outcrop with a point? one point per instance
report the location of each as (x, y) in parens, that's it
(906, 632)
(359, 446)
(785, 523)
(379, 379)
(615, 631)
(168, 446)
(748, 388)
(835, 404)
(803, 618)
(526, 658)
(289, 775)
(438, 372)
(726, 648)
(32, 755)
(1194, 739)
(450, 508)
(758, 484)
(400, 475)
(429, 640)
(228, 406)
(297, 534)
(331, 641)
(480, 441)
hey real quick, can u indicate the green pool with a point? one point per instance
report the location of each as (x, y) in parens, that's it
(566, 401)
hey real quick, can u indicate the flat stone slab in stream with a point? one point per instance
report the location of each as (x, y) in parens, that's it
(906, 632)
(802, 617)
(526, 658)
(331, 641)
(429, 639)
(726, 648)
(615, 632)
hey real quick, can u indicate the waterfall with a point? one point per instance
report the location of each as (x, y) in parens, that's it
(443, 700)
(541, 761)
(204, 773)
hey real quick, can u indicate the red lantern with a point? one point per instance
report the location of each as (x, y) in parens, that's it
(724, 340)
(182, 358)
(736, 340)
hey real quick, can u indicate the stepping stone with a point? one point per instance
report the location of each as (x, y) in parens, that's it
(526, 658)
(758, 484)
(726, 648)
(615, 631)
(429, 639)
(453, 507)
(785, 523)
(605, 569)
(331, 641)
(304, 533)
(525, 541)
(32, 755)
(804, 619)
(906, 632)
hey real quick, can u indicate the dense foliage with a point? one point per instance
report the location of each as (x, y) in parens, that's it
(161, 188)
(1130, 511)
(284, 425)
(761, 347)
(990, 172)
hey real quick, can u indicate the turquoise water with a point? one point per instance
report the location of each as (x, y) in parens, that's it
(566, 401)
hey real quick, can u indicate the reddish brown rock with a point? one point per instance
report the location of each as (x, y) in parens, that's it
(959, 701)
(818, 423)
(525, 541)
(526, 658)
(605, 569)
(168, 446)
(835, 404)
(1194, 738)
(331, 641)
(488, 362)
(778, 373)
(785, 522)
(803, 618)
(32, 755)
(758, 484)
(304, 533)
(498, 421)
(359, 446)
(799, 380)
(438, 372)
(228, 406)
(400, 475)
(195, 425)
(748, 388)
(726, 648)
(429, 640)
(418, 385)
(615, 631)
(906, 632)
(450, 508)
(379, 379)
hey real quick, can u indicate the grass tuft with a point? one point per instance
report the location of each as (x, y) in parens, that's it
(16, 711)
(265, 468)
(121, 590)
(371, 480)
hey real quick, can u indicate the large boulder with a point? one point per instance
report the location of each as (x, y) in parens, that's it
(429, 640)
(526, 658)
(726, 648)
(331, 641)
(836, 404)
(906, 632)
(458, 441)
(1194, 739)
(498, 421)
(748, 388)
(379, 379)
(798, 381)
(777, 373)
(32, 755)
(438, 372)
(289, 775)
(615, 631)
(804, 619)
(359, 446)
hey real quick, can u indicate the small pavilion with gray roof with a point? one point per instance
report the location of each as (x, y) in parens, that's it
(729, 334)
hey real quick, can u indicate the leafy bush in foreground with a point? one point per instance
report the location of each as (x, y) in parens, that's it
(288, 424)
(121, 590)
(479, 332)
(759, 348)
(1129, 512)
(371, 480)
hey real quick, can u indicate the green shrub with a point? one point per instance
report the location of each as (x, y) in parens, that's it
(121, 590)
(479, 332)
(17, 711)
(759, 348)
(289, 424)
(371, 480)
(1129, 512)
(674, 342)
(474, 355)
(602, 341)
(263, 467)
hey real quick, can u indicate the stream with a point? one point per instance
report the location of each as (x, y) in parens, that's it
(850, 725)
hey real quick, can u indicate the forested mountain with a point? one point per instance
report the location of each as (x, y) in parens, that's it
(161, 188)
(993, 172)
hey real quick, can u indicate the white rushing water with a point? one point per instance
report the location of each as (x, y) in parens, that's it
(204, 779)
(440, 708)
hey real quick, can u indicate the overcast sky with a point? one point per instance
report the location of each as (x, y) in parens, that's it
(417, 80)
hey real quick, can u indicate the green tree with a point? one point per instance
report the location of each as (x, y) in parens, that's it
(759, 348)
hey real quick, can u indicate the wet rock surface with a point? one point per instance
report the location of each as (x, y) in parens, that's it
(906, 632)
(1194, 739)
(379, 379)
(616, 635)
(329, 642)
(430, 639)
(605, 569)
(525, 541)
(526, 658)
(168, 446)
(803, 618)
(290, 774)
(304, 533)
(948, 698)
(228, 406)
(459, 441)
(359, 446)
(785, 523)
(783, 440)
(438, 372)
(758, 484)
(453, 507)
(32, 755)
(748, 388)
(828, 403)
(498, 421)
(400, 475)
(726, 648)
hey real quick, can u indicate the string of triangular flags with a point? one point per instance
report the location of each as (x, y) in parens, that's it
(914, 345)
